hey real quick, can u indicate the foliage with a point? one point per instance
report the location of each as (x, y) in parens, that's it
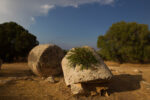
(15, 41)
(126, 42)
(83, 57)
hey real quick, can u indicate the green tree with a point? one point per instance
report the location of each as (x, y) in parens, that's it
(15, 41)
(125, 42)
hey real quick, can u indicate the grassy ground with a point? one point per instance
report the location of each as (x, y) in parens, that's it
(130, 82)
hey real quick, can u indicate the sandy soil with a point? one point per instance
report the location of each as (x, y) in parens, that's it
(130, 82)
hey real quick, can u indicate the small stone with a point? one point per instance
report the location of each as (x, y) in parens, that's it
(93, 93)
(50, 79)
(77, 89)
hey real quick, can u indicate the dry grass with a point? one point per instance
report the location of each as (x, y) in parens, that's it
(126, 84)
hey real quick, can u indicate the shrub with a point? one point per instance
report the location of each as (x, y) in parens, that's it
(125, 42)
(83, 57)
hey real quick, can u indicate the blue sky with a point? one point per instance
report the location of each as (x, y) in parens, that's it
(71, 23)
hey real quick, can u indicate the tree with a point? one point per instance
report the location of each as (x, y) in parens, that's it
(15, 41)
(125, 42)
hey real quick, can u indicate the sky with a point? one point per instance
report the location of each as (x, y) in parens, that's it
(72, 23)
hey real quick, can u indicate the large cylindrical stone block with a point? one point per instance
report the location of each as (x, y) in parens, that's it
(45, 60)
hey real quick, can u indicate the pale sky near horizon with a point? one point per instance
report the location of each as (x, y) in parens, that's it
(71, 23)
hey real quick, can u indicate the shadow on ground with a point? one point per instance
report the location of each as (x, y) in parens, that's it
(119, 83)
(15, 73)
(125, 82)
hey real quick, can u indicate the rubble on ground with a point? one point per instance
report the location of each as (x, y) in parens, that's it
(77, 88)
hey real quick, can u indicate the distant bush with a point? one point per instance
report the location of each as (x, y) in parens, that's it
(126, 42)
(83, 57)
(15, 42)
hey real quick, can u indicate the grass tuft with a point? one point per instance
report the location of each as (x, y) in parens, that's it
(83, 57)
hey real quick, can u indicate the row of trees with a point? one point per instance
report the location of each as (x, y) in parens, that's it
(15, 41)
(125, 42)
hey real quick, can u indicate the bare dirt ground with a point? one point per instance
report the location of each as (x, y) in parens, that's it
(130, 82)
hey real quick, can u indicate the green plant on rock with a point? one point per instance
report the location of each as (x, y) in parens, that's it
(83, 57)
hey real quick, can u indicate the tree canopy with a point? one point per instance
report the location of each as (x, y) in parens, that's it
(125, 42)
(15, 41)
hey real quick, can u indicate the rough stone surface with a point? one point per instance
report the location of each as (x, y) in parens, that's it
(45, 60)
(72, 75)
(77, 89)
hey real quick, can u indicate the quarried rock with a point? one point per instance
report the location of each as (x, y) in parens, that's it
(45, 60)
(74, 75)
(77, 89)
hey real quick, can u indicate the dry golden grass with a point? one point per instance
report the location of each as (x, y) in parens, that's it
(127, 84)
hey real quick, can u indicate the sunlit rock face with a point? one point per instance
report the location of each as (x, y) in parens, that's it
(73, 75)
